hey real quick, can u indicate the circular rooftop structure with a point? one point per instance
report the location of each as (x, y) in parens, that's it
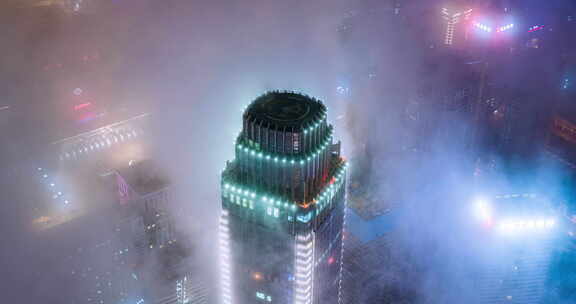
(286, 123)
(285, 110)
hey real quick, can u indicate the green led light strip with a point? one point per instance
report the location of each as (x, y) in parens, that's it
(316, 124)
(326, 196)
(321, 199)
(292, 160)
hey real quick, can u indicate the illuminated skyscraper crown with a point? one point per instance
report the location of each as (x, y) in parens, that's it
(285, 123)
(283, 205)
(285, 147)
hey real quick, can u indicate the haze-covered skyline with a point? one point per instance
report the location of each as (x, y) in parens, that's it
(193, 64)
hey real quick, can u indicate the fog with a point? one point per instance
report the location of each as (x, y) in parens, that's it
(195, 65)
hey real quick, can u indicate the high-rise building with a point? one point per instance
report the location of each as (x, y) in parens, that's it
(439, 104)
(520, 231)
(368, 265)
(455, 17)
(189, 289)
(514, 120)
(142, 186)
(283, 205)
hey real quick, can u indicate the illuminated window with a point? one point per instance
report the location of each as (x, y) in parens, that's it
(263, 296)
(296, 143)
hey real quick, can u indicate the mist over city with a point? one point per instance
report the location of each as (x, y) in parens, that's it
(302, 152)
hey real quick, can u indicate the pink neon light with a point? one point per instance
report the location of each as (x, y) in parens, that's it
(82, 106)
(535, 28)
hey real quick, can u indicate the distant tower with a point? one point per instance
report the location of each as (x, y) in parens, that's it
(283, 200)
(143, 186)
(521, 230)
(189, 291)
(455, 17)
(397, 6)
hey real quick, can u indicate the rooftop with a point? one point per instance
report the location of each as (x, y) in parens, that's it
(143, 177)
(285, 109)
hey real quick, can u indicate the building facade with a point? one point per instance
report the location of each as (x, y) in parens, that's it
(143, 190)
(455, 19)
(520, 234)
(283, 205)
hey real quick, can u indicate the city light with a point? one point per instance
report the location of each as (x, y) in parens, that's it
(95, 140)
(263, 296)
(248, 151)
(513, 225)
(225, 267)
(505, 27)
(483, 27)
(323, 199)
(565, 83)
(452, 19)
(458, 106)
(482, 210)
(489, 29)
(513, 217)
(535, 28)
(82, 106)
(257, 276)
(342, 90)
(304, 250)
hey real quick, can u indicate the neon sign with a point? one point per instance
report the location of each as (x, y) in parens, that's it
(535, 28)
(82, 106)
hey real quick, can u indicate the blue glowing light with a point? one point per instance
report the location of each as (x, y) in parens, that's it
(304, 218)
(565, 83)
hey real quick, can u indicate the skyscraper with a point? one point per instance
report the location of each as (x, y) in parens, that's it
(283, 200)
(455, 22)
(520, 233)
(143, 186)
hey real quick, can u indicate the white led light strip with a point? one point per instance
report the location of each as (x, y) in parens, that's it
(340, 298)
(304, 253)
(225, 271)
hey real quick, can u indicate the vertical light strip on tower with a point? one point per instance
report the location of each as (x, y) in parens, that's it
(225, 269)
(451, 21)
(340, 298)
(304, 280)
